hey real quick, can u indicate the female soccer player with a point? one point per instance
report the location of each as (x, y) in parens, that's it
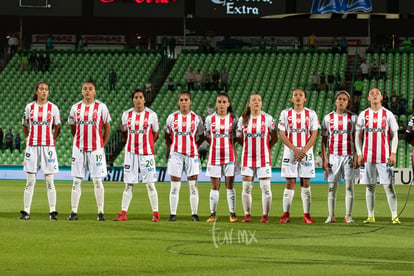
(256, 132)
(89, 120)
(220, 128)
(41, 125)
(140, 124)
(298, 130)
(376, 144)
(338, 136)
(181, 130)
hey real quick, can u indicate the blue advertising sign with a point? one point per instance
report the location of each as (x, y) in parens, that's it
(341, 6)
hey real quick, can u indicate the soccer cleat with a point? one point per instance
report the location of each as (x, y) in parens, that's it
(73, 216)
(395, 220)
(212, 217)
(247, 218)
(233, 217)
(100, 217)
(53, 216)
(330, 220)
(349, 219)
(307, 219)
(24, 215)
(121, 217)
(285, 218)
(195, 217)
(155, 217)
(172, 218)
(370, 220)
(264, 219)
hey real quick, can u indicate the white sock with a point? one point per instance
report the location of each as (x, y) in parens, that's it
(349, 197)
(76, 193)
(306, 199)
(28, 191)
(174, 196)
(153, 196)
(332, 198)
(192, 185)
(127, 196)
(99, 193)
(266, 195)
(247, 196)
(287, 199)
(370, 199)
(391, 198)
(231, 199)
(214, 198)
(51, 192)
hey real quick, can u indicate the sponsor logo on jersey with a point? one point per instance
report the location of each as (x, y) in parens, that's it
(127, 167)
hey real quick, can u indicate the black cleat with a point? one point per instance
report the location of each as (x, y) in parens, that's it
(73, 216)
(172, 218)
(100, 217)
(53, 216)
(24, 215)
(195, 217)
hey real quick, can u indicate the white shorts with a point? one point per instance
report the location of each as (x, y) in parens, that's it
(370, 173)
(95, 161)
(340, 166)
(179, 162)
(262, 172)
(135, 164)
(43, 156)
(217, 171)
(293, 169)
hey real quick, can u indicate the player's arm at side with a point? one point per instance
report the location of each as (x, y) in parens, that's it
(324, 145)
(107, 132)
(56, 131)
(273, 138)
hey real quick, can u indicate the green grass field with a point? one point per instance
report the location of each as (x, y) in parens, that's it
(139, 246)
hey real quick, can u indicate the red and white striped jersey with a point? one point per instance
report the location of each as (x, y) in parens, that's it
(140, 127)
(184, 129)
(376, 128)
(256, 151)
(89, 121)
(298, 126)
(40, 119)
(220, 131)
(340, 130)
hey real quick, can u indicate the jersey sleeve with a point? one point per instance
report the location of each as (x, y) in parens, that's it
(124, 121)
(239, 131)
(207, 126)
(72, 115)
(271, 123)
(200, 127)
(168, 122)
(282, 121)
(360, 122)
(155, 123)
(56, 116)
(26, 116)
(393, 122)
(314, 121)
(325, 126)
(106, 117)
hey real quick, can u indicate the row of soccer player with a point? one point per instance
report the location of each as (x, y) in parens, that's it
(374, 133)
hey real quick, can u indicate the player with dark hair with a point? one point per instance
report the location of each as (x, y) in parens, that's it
(140, 125)
(338, 150)
(89, 120)
(220, 128)
(298, 130)
(181, 131)
(41, 125)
